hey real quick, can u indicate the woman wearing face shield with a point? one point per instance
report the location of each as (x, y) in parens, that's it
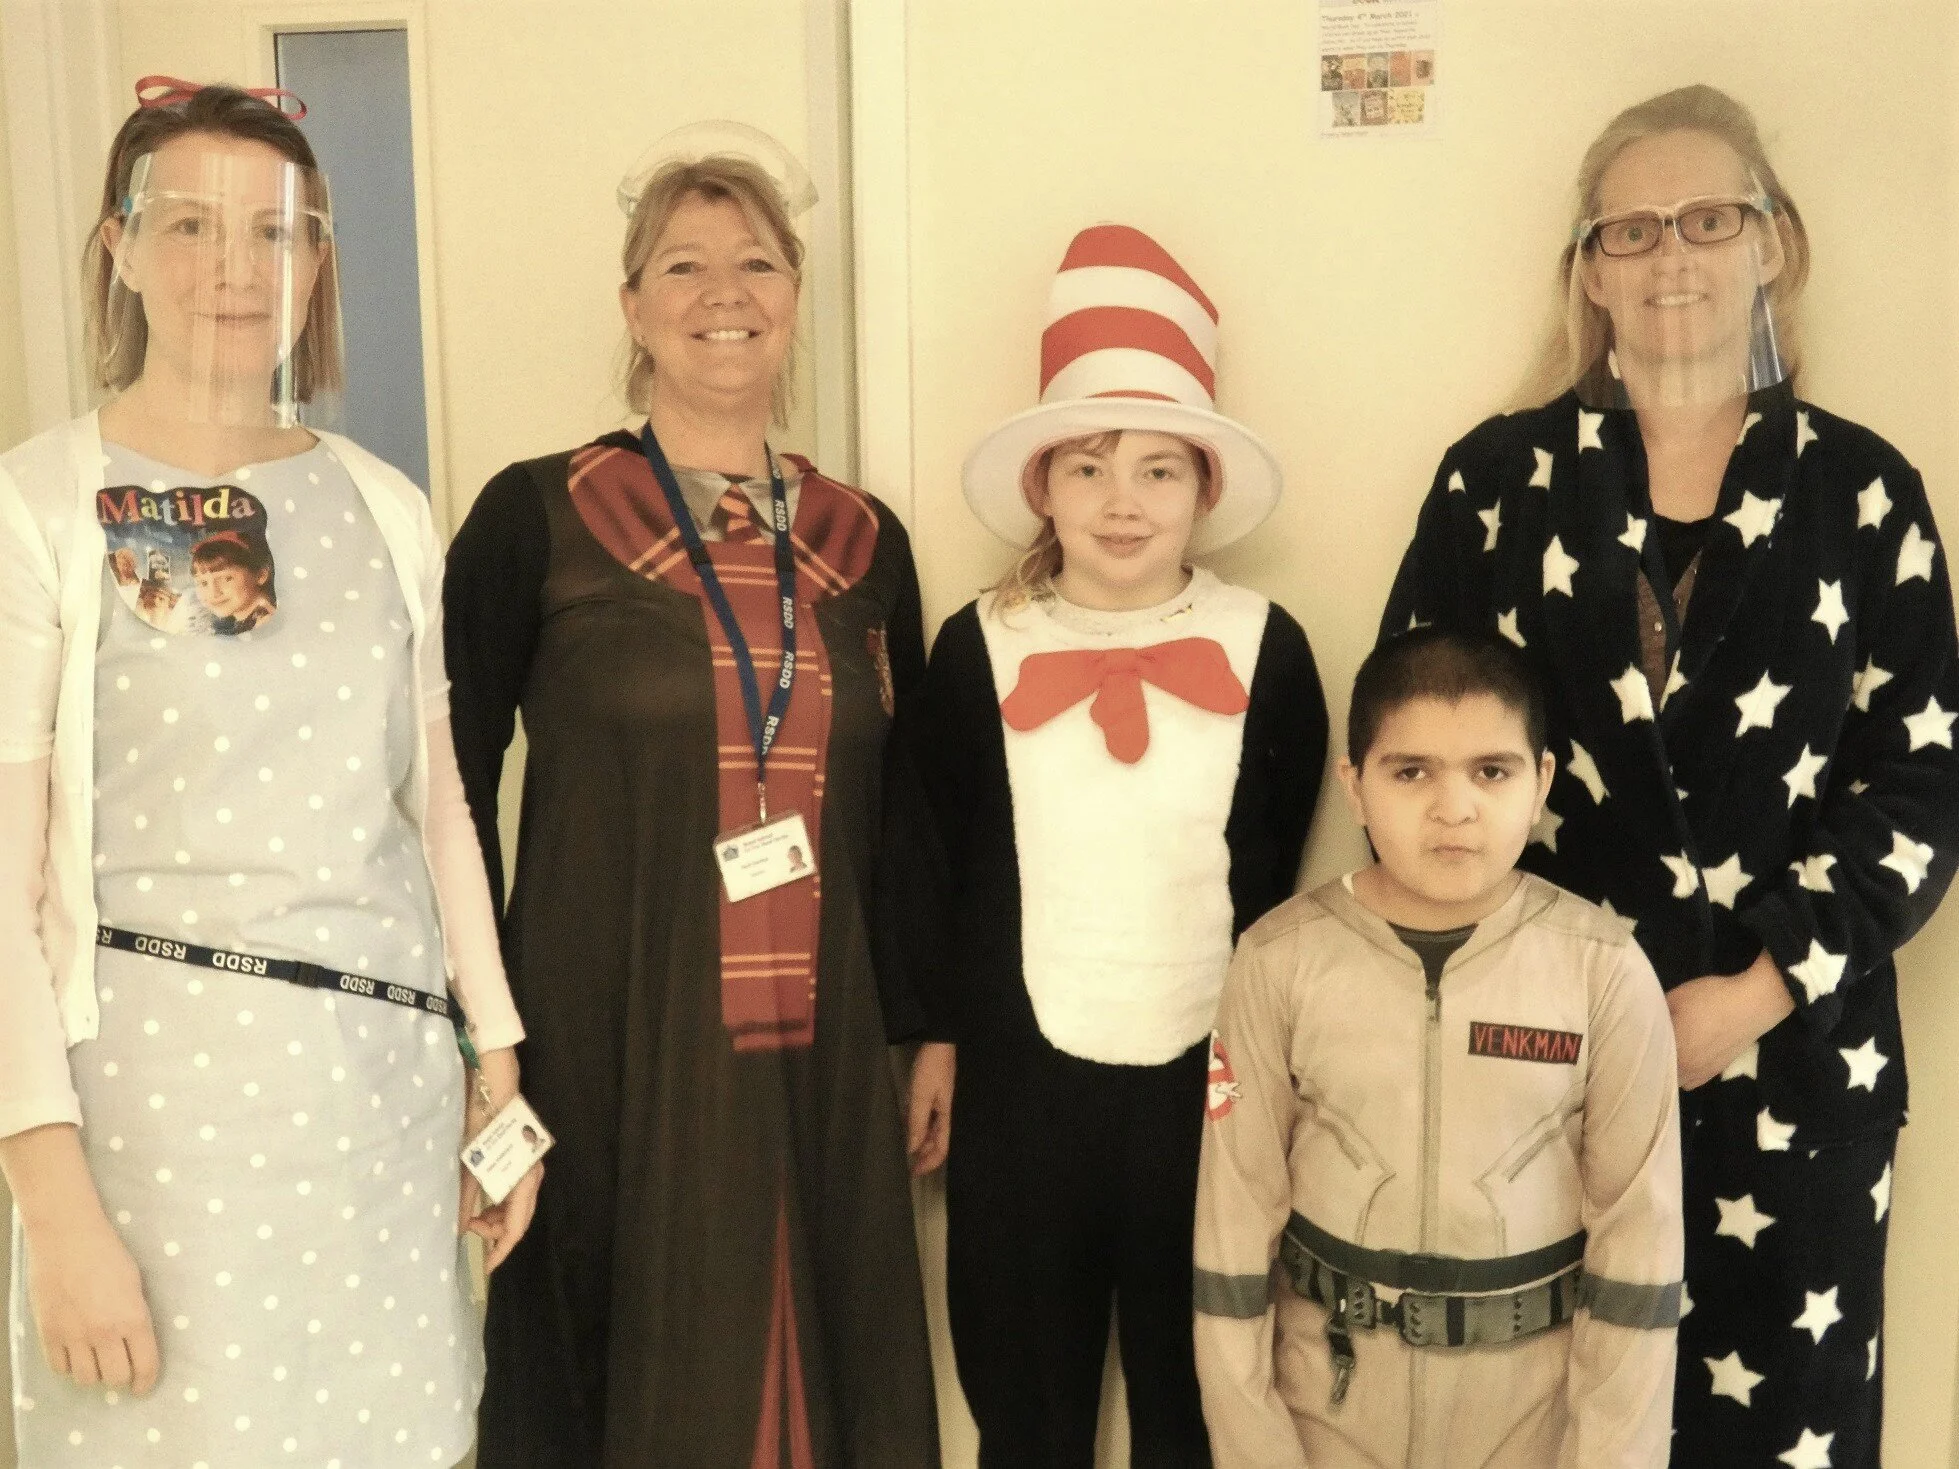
(1743, 619)
(237, 871)
(707, 640)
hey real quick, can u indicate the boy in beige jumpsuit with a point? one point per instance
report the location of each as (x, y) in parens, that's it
(1438, 1216)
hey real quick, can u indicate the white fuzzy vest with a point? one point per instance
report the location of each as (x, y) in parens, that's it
(1124, 874)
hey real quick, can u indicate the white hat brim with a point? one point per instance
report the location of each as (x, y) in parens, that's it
(1248, 472)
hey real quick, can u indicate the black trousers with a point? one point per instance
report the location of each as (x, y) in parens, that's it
(1071, 1186)
(1782, 1351)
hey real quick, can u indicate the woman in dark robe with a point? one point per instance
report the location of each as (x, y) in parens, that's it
(723, 1269)
(1739, 608)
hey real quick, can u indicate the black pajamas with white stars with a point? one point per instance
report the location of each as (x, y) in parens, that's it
(1775, 770)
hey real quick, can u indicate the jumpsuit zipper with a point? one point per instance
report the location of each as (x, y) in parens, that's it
(1431, 1168)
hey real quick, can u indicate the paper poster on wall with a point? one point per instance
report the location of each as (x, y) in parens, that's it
(1377, 67)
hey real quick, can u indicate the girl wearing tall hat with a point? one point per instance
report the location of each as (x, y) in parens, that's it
(237, 874)
(1122, 754)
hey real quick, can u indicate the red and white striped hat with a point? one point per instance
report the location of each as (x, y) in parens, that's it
(1131, 343)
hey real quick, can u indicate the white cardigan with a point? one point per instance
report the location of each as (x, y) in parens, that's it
(51, 553)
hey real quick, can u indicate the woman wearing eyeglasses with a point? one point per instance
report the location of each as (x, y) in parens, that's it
(1743, 621)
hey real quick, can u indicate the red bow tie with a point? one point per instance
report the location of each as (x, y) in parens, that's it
(1196, 670)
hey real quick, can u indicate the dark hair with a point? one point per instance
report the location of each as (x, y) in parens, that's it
(1450, 664)
(222, 111)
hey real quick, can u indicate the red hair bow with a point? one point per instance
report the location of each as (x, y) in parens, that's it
(163, 91)
(1196, 670)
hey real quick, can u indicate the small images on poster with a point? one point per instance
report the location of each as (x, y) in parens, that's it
(1377, 67)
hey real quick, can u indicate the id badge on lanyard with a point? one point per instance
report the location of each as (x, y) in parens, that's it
(776, 849)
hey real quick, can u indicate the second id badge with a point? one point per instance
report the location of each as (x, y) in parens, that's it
(764, 856)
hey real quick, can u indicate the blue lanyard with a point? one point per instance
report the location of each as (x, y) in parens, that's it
(762, 728)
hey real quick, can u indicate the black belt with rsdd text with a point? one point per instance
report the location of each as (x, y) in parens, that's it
(258, 966)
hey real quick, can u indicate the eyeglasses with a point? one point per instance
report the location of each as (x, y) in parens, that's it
(1704, 221)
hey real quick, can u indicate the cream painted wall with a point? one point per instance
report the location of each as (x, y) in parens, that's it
(1380, 297)
(13, 367)
(534, 110)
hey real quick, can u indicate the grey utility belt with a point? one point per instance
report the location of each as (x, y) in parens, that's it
(1445, 1301)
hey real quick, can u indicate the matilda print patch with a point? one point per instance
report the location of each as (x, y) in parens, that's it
(190, 560)
(1524, 1043)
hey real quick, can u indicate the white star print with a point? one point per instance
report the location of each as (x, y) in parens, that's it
(1456, 485)
(1829, 607)
(1858, 787)
(1820, 1313)
(1867, 683)
(1755, 519)
(1415, 621)
(1872, 504)
(1725, 882)
(1746, 424)
(1634, 535)
(1506, 623)
(1881, 1194)
(1588, 427)
(1864, 1062)
(1801, 777)
(1541, 478)
(1757, 706)
(1675, 682)
(1910, 860)
(1915, 556)
(1871, 1370)
(1772, 1136)
(1813, 873)
(1929, 726)
(1741, 1220)
(1546, 829)
(1635, 699)
(1812, 1451)
(1731, 1378)
(1630, 925)
(1805, 435)
(1492, 519)
(1585, 769)
(1744, 1064)
(1686, 876)
(1558, 568)
(1820, 972)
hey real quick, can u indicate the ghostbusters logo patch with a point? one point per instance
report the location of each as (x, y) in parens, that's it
(1221, 1089)
(189, 560)
(1524, 1043)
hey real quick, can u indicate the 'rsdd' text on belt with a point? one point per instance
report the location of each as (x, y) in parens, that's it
(259, 966)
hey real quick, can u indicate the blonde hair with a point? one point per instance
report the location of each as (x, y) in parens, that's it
(748, 186)
(1580, 332)
(1032, 575)
(117, 349)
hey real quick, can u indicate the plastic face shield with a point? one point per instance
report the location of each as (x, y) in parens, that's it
(1685, 288)
(225, 274)
(722, 138)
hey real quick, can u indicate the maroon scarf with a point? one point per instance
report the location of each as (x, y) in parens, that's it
(768, 942)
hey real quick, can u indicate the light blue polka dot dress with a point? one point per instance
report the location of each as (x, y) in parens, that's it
(280, 1161)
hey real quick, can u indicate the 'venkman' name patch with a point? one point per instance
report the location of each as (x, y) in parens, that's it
(1523, 1043)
